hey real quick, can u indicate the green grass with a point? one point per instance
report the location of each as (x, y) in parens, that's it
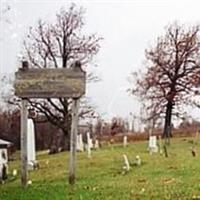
(101, 178)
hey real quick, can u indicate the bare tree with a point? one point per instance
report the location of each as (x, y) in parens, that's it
(172, 66)
(59, 45)
(4, 9)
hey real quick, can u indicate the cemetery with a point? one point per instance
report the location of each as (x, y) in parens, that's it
(102, 176)
(135, 141)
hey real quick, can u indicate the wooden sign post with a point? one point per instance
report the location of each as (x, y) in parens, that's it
(73, 138)
(49, 83)
(24, 147)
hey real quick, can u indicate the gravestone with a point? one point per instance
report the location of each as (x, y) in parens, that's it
(96, 144)
(125, 140)
(160, 145)
(89, 141)
(138, 160)
(14, 172)
(31, 157)
(79, 146)
(89, 145)
(153, 148)
(126, 163)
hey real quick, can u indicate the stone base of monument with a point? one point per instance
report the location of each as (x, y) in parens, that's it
(153, 149)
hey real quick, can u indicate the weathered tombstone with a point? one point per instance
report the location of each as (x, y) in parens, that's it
(153, 148)
(126, 163)
(14, 172)
(81, 142)
(125, 140)
(96, 144)
(138, 160)
(160, 145)
(31, 158)
(49, 83)
(89, 145)
(77, 143)
(79, 146)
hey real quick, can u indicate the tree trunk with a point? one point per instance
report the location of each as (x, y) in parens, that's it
(67, 123)
(167, 126)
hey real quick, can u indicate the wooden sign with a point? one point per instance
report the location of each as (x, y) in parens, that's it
(50, 83)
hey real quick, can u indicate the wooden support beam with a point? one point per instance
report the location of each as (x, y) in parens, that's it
(24, 164)
(73, 138)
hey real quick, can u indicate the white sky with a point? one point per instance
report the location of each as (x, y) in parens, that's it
(128, 27)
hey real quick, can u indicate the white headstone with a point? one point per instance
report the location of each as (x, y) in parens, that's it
(160, 145)
(126, 163)
(96, 144)
(138, 160)
(31, 144)
(79, 145)
(130, 125)
(81, 142)
(153, 148)
(125, 140)
(89, 145)
(14, 172)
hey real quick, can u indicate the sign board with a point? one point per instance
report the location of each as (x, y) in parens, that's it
(50, 83)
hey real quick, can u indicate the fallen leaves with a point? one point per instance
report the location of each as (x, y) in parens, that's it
(169, 180)
(173, 167)
(142, 180)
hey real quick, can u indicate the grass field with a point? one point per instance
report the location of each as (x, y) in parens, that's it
(101, 178)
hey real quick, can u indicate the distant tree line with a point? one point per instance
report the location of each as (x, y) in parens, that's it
(46, 134)
(49, 136)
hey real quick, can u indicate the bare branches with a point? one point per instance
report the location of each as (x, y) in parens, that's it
(58, 45)
(61, 43)
(173, 68)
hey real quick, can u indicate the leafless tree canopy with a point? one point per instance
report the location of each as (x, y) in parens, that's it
(172, 68)
(59, 45)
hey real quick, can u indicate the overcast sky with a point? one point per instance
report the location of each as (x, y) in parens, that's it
(128, 27)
